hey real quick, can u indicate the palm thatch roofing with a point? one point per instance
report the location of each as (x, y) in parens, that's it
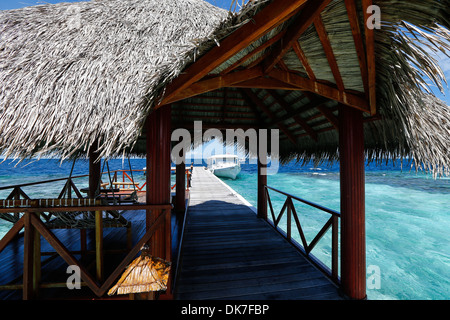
(146, 273)
(71, 73)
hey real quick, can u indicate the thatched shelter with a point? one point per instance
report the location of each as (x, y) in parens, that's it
(116, 76)
(74, 72)
(146, 273)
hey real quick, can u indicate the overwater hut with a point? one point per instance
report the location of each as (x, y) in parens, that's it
(111, 77)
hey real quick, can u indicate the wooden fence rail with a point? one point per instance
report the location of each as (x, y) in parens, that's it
(126, 181)
(305, 247)
(34, 227)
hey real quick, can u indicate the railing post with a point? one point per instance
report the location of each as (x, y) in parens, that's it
(334, 248)
(288, 222)
(262, 182)
(28, 257)
(99, 245)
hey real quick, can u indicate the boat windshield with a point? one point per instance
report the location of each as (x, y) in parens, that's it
(225, 160)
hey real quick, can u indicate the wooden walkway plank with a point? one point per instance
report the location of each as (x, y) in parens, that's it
(228, 253)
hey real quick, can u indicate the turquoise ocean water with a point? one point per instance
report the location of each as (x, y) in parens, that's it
(407, 215)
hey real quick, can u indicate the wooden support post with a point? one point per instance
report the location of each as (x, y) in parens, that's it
(99, 245)
(158, 172)
(158, 175)
(262, 182)
(36, 260)
(94, 184)
(158, 179)
(353, 248)
(28, 258)
(31, 260)
(94, 170)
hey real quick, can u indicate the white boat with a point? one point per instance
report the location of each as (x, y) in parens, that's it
(224, 165)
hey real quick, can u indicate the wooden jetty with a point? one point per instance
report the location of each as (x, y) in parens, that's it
(312, 72)
(220, 249)
(229, 253)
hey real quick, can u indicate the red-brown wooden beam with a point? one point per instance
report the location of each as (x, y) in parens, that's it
(263, 46)
(216, 83)
(268, 18)
(221, 126)
(306, 17)
(94, 184)
(302, 57)
(327, 113)
(359, 42)
(264, 83)
(323, 36)
(158, 177)
(189, 110)
(63, 251)
(296, 118)
(94, 170)
(211, 117)
(353, 238)
(321, 89)
(254, 98)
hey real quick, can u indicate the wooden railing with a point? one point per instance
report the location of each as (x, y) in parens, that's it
(18, 193)
(120, 179)
(305, 247)
(38, 216)
(34, 227)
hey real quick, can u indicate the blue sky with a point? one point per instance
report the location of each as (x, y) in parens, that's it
(14, 4)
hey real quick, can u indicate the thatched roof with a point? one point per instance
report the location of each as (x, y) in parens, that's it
(72, 72)
(65, 83)
(146, 273)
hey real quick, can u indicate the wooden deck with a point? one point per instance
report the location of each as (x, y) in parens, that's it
(228, 253)
(54, 267)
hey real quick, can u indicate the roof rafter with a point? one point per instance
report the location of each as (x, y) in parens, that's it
(174, 111)
(296, 118)
(301, 23)
(268, 18)
(254, 98)
(253, 107)
(242, 60)
(264, 83)
(311, 105)
(220, 126)
(199, 117)
(302, 57)
(359, 45)
(216, 83)
(324, 90)
(323, 36)
(327, 113)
